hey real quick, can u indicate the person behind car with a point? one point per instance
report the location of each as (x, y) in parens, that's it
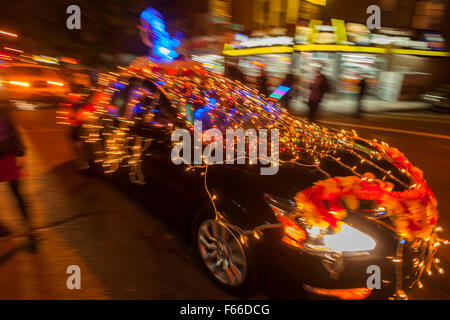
(262, 82)
(362, 91)
(290, 82)
(234, 73)
(317, 90)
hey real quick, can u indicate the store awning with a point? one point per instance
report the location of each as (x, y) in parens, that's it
(336, 47)
(256, 51)
(330, 48)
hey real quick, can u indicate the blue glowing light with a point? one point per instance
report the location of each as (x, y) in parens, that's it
(198, 114)
(118, 85)
(212, 102)
(164, 45)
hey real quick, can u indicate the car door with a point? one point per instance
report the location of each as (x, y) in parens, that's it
(167, 185)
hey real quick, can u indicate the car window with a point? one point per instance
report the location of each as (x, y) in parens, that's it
(142, 101)
(155, 108)
(165, 112)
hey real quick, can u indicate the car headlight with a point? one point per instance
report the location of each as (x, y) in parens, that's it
(298, 233)
(347, 239)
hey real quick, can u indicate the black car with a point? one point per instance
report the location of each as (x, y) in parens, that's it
(249, 230)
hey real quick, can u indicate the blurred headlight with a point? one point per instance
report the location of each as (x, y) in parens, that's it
(55, 83)
(298, 233)
(20, 83)
(347, 239)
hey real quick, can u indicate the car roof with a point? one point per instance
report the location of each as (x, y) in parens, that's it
(193, 77)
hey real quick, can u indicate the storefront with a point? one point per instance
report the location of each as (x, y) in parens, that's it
(252, 54)
(348, 52)
(395, 63)
(344, 69)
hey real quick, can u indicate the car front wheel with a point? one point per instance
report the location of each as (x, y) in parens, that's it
(226, 259)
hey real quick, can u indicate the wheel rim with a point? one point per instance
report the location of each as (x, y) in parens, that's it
(222, 253)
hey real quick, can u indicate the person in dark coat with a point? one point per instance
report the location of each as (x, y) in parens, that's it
(317, 90)
(11, 151)
(262, 82)
(234, 73)
(291, 82)
(362, 91)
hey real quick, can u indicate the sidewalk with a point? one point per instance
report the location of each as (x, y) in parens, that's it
(123, 249)
(350, 106)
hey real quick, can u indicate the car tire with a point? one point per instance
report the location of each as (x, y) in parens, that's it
(241, 276)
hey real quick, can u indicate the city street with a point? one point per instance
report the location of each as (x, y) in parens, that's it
(127, 251)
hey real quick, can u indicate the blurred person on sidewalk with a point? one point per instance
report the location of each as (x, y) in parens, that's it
(235, 73)
(290, 82)
(318, 88)
(262, 82)
(12, 151)
(362, 91)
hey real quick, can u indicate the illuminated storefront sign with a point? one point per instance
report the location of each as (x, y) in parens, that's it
(421, 52)
(340, 30)
(264, 42)
(302, 34)
(332, 48)
(434, 41)
(256, 51)
(341, 48)
(318, 2)
(358, 33)
(336, 47)
(324, 34)
(338, 37)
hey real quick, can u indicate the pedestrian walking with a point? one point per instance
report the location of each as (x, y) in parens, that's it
(317, 90)
(234, 73)
(262, 82)
(362, 91)
(289, 82)
(12, 151)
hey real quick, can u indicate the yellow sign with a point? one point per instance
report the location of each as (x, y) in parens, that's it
(341, 48)
(263, 50)
(318, 2)
(341, 33)
(421, 52)
(335, 47)
(312, 24)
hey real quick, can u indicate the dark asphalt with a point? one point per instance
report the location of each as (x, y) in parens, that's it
(127, 252)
